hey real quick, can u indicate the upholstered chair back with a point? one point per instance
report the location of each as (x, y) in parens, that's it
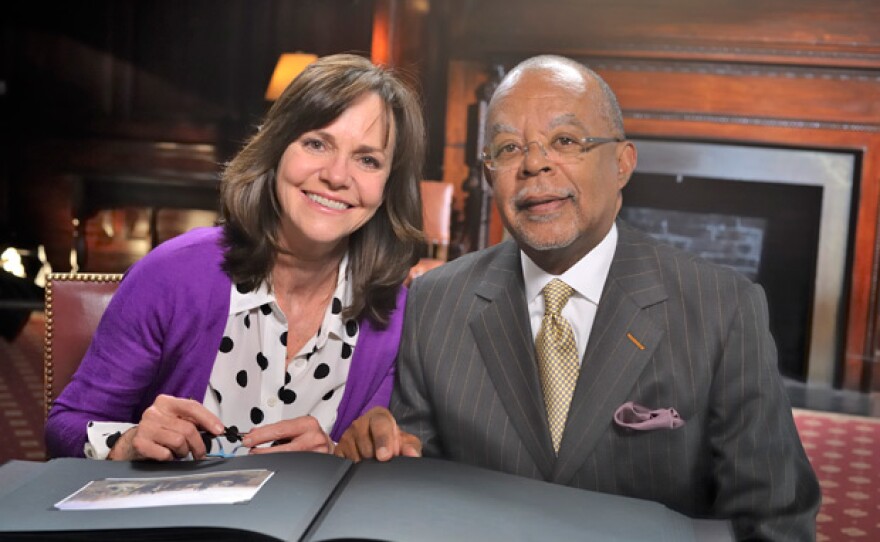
(74, 305)
(437, 215)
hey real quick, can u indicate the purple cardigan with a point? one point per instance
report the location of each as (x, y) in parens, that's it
(160, 335)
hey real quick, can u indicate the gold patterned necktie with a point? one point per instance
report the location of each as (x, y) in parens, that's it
(557, 358)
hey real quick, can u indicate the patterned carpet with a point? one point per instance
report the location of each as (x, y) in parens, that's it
(845, 453)
(21, 393)
(844, 450)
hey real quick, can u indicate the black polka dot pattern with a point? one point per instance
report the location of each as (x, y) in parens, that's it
(321, 371)
(306, 383)
(351, 328)
(288, 396)
(226, 345)
(262, 361)
(111, 440)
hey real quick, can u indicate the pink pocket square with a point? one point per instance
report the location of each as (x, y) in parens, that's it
(642, 418)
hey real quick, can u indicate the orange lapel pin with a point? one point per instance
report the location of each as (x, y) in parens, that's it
(635, 341)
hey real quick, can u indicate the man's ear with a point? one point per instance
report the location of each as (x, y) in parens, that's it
(627, 158)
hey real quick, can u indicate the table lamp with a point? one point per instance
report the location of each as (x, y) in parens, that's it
(288, 67)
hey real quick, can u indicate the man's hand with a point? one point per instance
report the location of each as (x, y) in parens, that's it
(168, 429)
(303, 434)
(376, 435)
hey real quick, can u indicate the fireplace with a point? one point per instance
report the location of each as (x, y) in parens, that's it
(781, 216)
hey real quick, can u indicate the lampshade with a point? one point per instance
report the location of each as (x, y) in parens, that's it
(288, 67)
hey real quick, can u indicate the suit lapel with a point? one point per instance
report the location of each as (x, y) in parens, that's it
(503, 335)
(622, 342)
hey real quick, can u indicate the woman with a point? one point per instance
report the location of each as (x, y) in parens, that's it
(275, 330)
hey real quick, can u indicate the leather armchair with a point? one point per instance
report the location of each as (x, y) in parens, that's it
(437, 215)
(74, 305)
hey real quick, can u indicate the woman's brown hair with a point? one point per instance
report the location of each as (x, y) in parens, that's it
(383, 250)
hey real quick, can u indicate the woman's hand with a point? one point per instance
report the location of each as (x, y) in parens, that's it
(303, 434)
(168, 429)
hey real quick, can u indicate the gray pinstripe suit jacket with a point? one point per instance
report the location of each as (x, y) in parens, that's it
(468, 387)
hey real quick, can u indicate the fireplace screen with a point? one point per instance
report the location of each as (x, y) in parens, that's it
(736, 241)
(779, 216)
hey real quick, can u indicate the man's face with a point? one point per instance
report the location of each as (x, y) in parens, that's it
(556, 208)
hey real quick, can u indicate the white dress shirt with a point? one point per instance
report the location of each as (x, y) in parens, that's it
(587, 277)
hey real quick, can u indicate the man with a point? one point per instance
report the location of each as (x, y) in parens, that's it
(677, 397)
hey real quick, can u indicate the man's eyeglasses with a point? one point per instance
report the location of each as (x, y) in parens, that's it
(561, 150)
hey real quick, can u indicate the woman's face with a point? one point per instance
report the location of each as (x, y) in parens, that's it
(331, 181)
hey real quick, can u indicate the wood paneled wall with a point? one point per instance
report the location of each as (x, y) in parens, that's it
(794, 73)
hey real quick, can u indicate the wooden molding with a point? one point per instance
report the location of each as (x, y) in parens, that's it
(752, 121)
